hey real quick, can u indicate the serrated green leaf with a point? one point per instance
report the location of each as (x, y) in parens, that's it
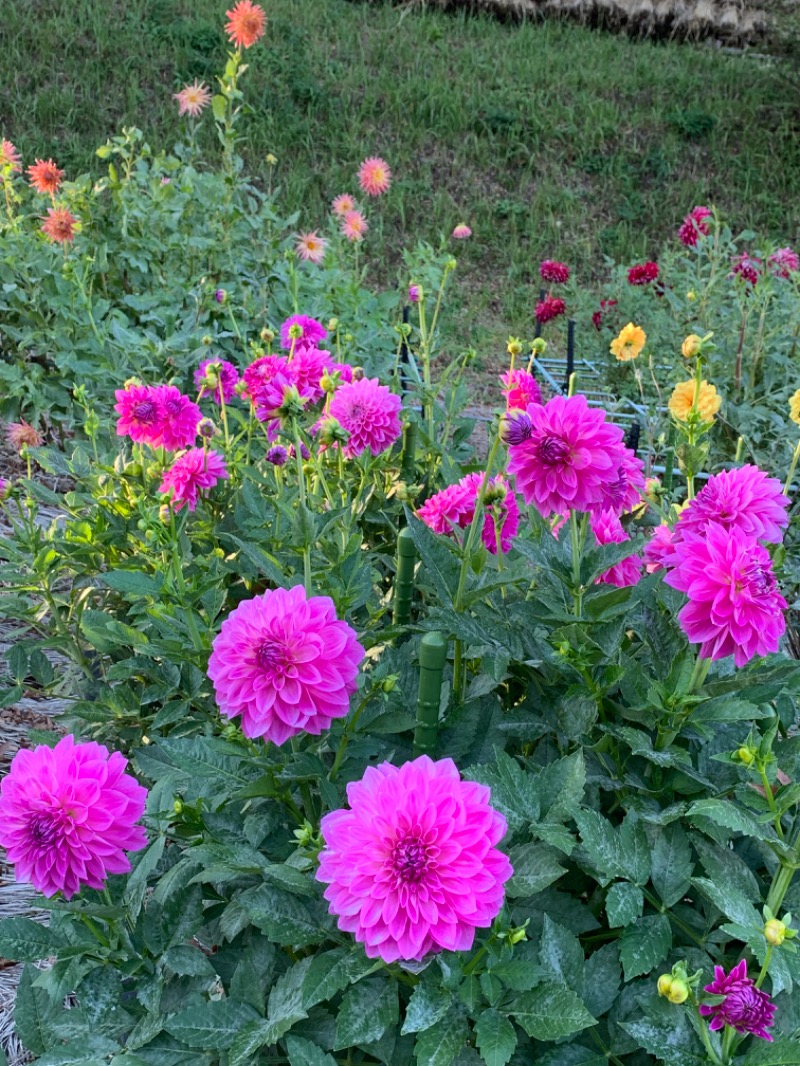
(644, 944)
(427, 1005)
(133, 582)
(213, 1025)
(283, 917)
(188, 961)
(513, 791)
(600, 842)
(535, 867)
(551, 1011)
(34, 1014)
(624, 904)
(302, 1052)
(560, 954)
(218, 107)
(23, 940)
(784, 1052)
(495, 1038)
(731, 816)
(672, 864)
(725, 866)
(634, 850)
(333, 971)
(731, 902)
(439, 1045)
(136, 885)
(367, 1011)
(602, 975)
(560, 786)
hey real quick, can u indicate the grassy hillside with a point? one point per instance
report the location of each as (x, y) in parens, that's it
(547, 138)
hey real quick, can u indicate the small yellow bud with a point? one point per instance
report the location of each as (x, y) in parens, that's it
(514, 346)
(207, 340)
(692, 346)
(539, 346)
(664, 984)
(177, 806)
(271, 159)
(678, 991)
(775, 932)
(516, 936)
(746, 756)
(267, 335)
(333, 325)
(691, 296)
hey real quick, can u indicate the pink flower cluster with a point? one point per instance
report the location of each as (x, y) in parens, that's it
(784, 262)
(552, 271)
(158, 415)
(226, 375)
(412, 867)
(370, 413)
(454, 508)
(607, 529)
(746, 267)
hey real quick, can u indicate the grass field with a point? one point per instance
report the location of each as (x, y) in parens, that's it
(549, 139)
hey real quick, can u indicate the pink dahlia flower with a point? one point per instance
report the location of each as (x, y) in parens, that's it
(354, 226)
(449, 508)
(553, 271)
(694, 226)
(307, 367)
(9, 156)
(515, 427)
(520, 388)
(784, 262)
(659, 548)
(643, 273)
(178, 418)
(192, 472)
(734, 605)
(746, 267)
(139, 416)
(607, 529)
(455, 506)
(549, 308)
(412, 867)
(462, 232)
(374, 176)
(261, 372)
(746, 499)
(371, 415)
(746, 1008)
(310, 247)
(285, 663)
(570, 457)
(309, 332)
(624, 492)
(23, 435)
(227, 378)
(342, 204)
(68, 814)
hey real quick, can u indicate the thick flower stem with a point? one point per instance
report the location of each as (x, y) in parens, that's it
(780, 886)
(765, 967)
(577, 588)
(770, 797)
(301, 482)
(704, 1036)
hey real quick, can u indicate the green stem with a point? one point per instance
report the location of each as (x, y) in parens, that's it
(349, 728)
(699, 674)
(577, 588)
(705, 1037)
(765, 967)
(792, 469)
(780, 886)
(762, 770)
(301, 482)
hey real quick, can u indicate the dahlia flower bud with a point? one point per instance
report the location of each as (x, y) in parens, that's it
(775, 932)
(514, 346)
(664, 984)
(515, 428)
(207, 340)
(691, 296)
(220, 296)
(304, 835)
(295, 331)
(207, 429)
(692, 346)
(271, 159)
(673, 988)
(277, 455)
(539, 346)
(267, 335)
(358, 373)
(414, 293)
(451, 264)
(653, 490)
(329, 432)
(5, 488)
(746, 755)
(333, 325)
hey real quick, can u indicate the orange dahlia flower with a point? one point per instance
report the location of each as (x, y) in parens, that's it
(246, 23)
(45, 177)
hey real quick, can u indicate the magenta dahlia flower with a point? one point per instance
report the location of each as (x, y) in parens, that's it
(191, 473)
(694, 226)
(68, 814)
(179, 418)
(261, 372)
(746, 267)
(285, 663)
(607, 529)
(307, 367)
(227, 377)
(549, 308)
(643, 273)
(452, 507)
(412, 867)
(553, 271)
(310, 332)
(570, 457)
(746, 499)
(139, 416)
(624, 492)
(784, 262)
(746, 1008)
(734, 605)
(500, 513)
(659, 548)
(520, 388)
(371, 415)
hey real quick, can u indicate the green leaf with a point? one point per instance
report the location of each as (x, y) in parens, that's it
(427, 1005)
(644, 944)
(634, 850)
(439, 1045)
(551, 1011)
(730, 816)
(600, 843)
(133, 582)
(560, 954)
(560, 786)
(439, 562)
(624, 904)
(281, 916)
(332, 971)
(23, 940)
(218, 107)
(188, 961)
(367, 1011)
(213, 1025)
(785, 1052)
(730, 901)
(136, 886)
(513, 791)
(535, 867)
(34, 1014)
(726, 867)
(672, 864)
(302, 1052)
(495, 1038)
(602, 975)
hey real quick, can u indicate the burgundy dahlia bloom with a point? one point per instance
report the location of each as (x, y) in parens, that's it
(746, 1008)
(549, 308)
(607, 529)
(744, 498)
(139, 416)
(570, 457)
(178, 418)
(554, 272)
(370, 413)
(192, 472)
(520, 388)
(597, 316)
(261, 372)
(285, 663)
(311, 332)
(784, 262)
(734, 605)
(412, 867)
(643, 273)
(227, 377)
(68, 814)
(694, 226)
(746, 267)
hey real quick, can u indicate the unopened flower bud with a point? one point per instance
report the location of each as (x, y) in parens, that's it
(271, 159)
(451, 264)
(691, 296)
(177, 806)
(295, 331)
(653, 490)
(163, 513)
(329, 431)
(514, 346)
(207, 340)
(348, 338)
(692, 346)
(327, 383)
(664, 984)
(389, 684)
(515, 428)
(358, 373)
(333, 325)
(745, 755)
(414, 293)
(267, 335)
(539, 346)
(207, 429)
(678, 991)
(775, 932)
(220, 296)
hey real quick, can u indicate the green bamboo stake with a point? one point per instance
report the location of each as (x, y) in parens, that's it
(404, 579)
(408, 466)
(669, 462)
(432, 657)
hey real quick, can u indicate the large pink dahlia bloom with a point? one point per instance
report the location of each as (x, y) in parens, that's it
(139, 416)
(454, 507)
(310, 331)
(607, 529)
(412, 867)
(745, 1007)
(68, 814)
(192, 472)
(179, 418)
(370, 413)
(225, 374)
(307, 367)
(520, 388)
(569, 459)
(261, 372)
(734, 605)
(285, 663)
(450, 507)
(746, 499)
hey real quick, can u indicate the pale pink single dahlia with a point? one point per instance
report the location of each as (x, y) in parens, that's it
(139, 416)
(354, 226)
(178, 418)
(570, 457)
(553, 271)
(746, 499)
(412, 866)
(734, 605)
(285, 663)
(193, 99)
(694, 226)
(68, 814)
(520, 388)
(370, 413)
(462, 232)
(261, 372)
(223, 373)
(745, 1007)
(310, 247)
(607, 529)
(9, 156)
(342, 204)
(374, 176)
(190, 474)
(302, 330)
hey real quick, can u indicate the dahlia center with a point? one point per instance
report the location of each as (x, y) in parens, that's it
(145, 412)
(272, 658)
(758, 579)
(44, 829)
(410, 860)
(173, 408)
(552, 451)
